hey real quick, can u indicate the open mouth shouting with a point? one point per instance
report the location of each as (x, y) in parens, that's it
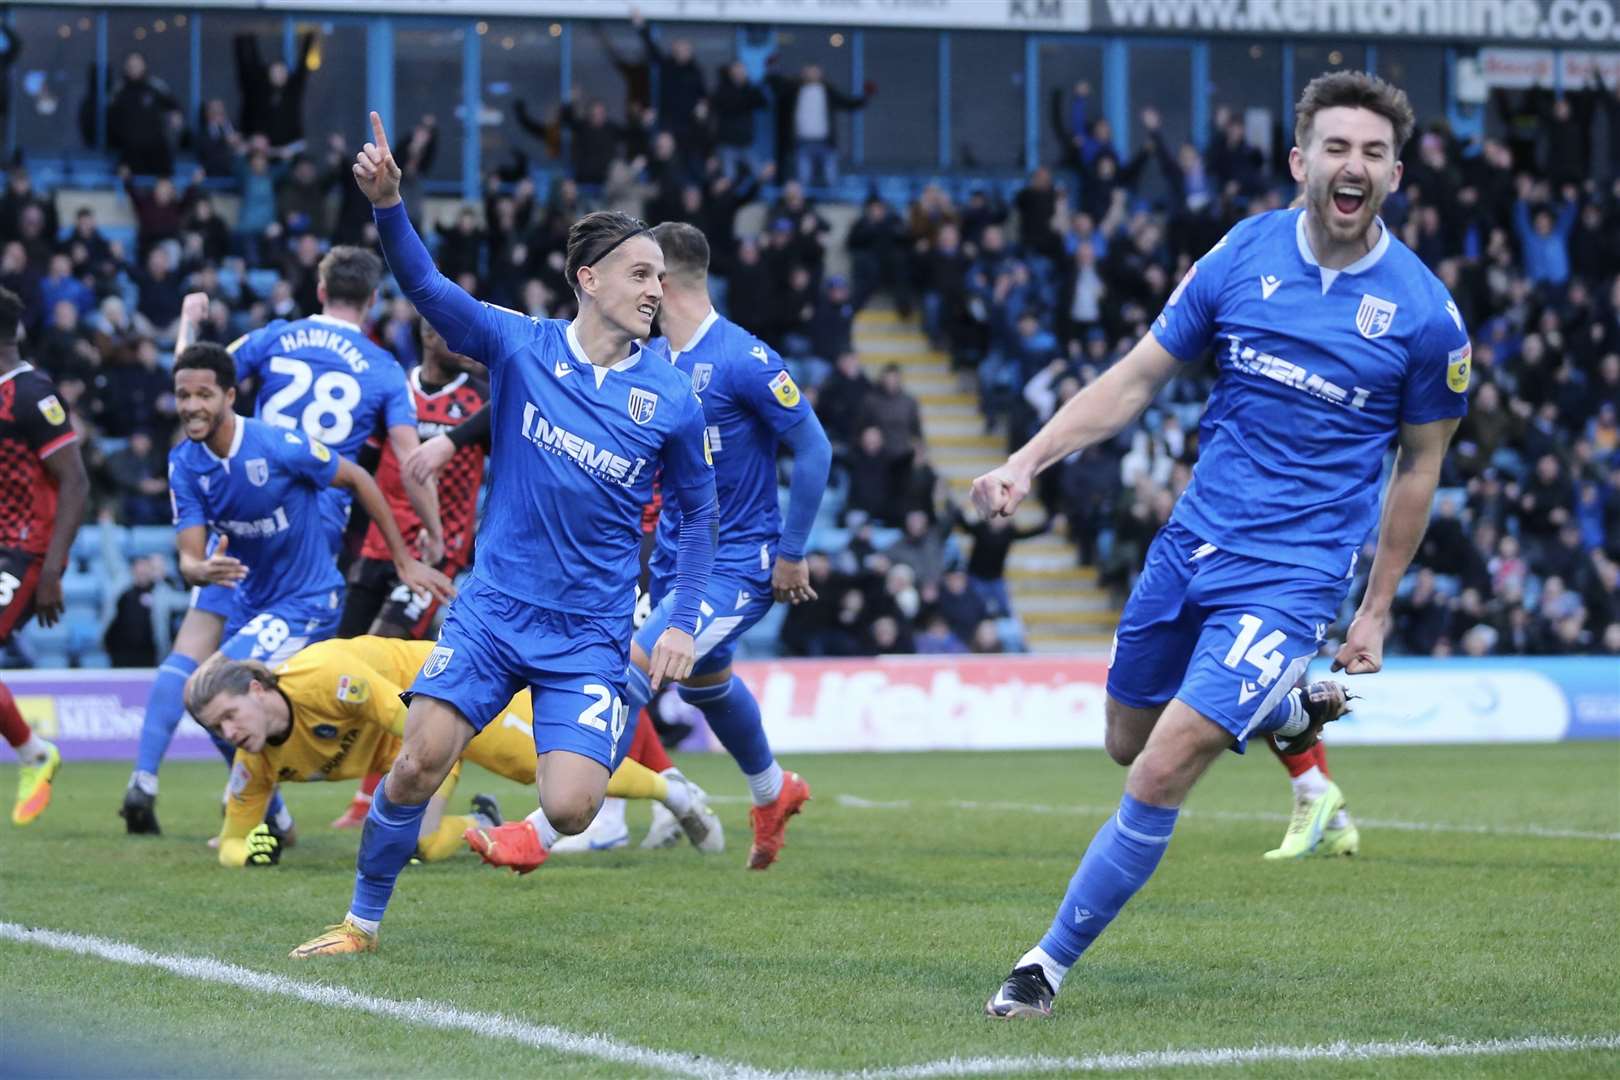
(1349, 198)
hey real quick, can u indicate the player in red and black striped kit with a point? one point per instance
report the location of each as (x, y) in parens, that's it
(450, 392)
(43, 491)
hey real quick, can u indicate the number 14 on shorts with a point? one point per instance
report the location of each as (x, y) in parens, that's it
(1262, 654)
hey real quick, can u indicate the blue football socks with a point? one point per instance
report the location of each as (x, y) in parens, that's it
(386, 844)
(1122, 856)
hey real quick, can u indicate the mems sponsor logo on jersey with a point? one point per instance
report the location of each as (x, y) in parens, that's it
(601, 462)
(258, 528)
(1247, 359)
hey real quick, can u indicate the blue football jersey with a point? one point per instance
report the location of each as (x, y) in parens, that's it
(1318, 369)
(265, 495)
(749, 400)
(324, 377)
(574, 450)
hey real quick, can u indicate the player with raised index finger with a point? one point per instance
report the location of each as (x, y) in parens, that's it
(581, 422)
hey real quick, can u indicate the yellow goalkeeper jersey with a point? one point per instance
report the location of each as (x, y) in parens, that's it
(347, 719)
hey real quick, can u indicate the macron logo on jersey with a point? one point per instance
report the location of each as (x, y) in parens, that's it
(599, 462)
(1245, 358)
(314, 337)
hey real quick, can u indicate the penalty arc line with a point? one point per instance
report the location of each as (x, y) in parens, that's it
(1543, 832)
(603, 1048)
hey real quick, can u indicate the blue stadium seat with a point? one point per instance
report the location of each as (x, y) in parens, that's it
(260, 282)
(82, 590)
(48, 645)
(96, 658)
(87, 545)
(84, 632)
(148, 540)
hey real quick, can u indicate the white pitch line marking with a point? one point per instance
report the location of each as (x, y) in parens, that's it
(855, 802)
(1169, 1059)
(603, 1048)
(420, 1013)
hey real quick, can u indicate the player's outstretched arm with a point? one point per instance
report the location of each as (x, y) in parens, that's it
(1098, 412)
(475, 329)
(1407, 503)
(412, 572)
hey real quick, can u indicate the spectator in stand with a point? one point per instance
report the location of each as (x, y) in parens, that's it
(130, 638)
(62, 284)
(1037, 204)
(273, 94)
(22, 279)
(806, 136)
(214, 141)
(736, 100)
(877, 247)
(139, 475)
(993, 539)
(160, 292)
(159, 211)
(18, 197)
(961, 605)
(258, 173)
(594, 139)
(142, 117)
(876, 474)
(833, 323)
(1544, 237)
(841, 398)
(301, 198)
(64, 349)
(936, 638)
(893, 412)
(134, 394)
(921, 547)
(681, 91)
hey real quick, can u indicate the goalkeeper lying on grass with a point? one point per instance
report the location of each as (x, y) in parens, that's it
(332, 712)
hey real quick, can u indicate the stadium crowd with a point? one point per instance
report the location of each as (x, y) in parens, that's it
(1032, 289)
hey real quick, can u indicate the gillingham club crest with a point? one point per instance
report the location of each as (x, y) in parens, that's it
(701, 374)
(1374, 316)
(258, 472)
(437, 661)
(642, 404)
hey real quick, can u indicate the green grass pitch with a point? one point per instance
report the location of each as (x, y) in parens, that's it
(873, 943)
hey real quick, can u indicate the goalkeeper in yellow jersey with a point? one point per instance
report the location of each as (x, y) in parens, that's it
(332, 712)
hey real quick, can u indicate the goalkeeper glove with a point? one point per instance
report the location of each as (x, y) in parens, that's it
(263, 847)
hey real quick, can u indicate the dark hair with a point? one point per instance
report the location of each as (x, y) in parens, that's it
(1353, 90)
(221, 675)
(11, 313)
(594, 236)
(686, 250)
(350, 274)
(207, 356)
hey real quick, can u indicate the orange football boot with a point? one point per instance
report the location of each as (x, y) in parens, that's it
(770, 822)
(515, 845)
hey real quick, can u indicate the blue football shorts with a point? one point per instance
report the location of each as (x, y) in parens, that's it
(274, 633)
(731, 604)
(492, 645)
(1227, 634)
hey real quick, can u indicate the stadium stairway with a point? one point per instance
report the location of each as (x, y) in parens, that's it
(1058, 601)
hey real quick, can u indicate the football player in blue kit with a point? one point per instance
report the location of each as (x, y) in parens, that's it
(582, 420)
(320, 376)
(260, 489)
(1333, 342)
(751, 405)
